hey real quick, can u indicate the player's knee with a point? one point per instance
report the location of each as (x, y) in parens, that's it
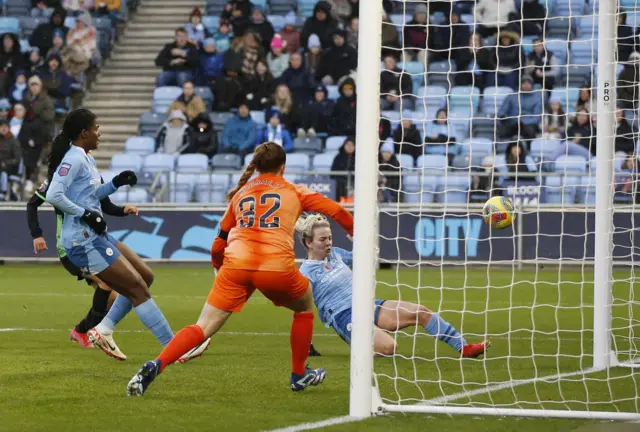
(387, 349)
(148, 277)
(139, 291)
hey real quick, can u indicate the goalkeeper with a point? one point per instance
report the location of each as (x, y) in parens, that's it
(331, 280)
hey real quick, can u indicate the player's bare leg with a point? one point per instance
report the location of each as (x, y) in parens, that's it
(395, 315)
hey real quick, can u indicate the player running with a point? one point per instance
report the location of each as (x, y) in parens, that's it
(256, 244)
(332, 279)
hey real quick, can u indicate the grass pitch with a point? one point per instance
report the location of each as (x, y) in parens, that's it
(241, 384)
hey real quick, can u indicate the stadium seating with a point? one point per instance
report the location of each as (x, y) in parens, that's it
(453, 189)
(226, 161)
(406, 161)
(126, 161)
(154, 164)
(142, 145)
(431, 163)
(133, 196)
(10, 25)
(211, 23)
(324, 161)
(181, 187)
(192, 162)
(258, 116)
(163, 97)
(17, 8)
(476, 146)
(29, 24)
(334, 143)
(298, 162)
(309, 145)
(212, 188)
(150, 123)
(418, 189)
(493, 99)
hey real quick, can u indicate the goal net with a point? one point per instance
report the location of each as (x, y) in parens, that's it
(534, 101)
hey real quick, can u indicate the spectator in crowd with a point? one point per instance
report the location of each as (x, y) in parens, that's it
(298, 79)
(290, 34)
(188, 102)
(223, 36)
(196, 31)
(277, 59)
(19, 87)
(321, 23)
(507, 61)
(438, 137)
(586, 100)
(395, 87)
(472, 63)
(352, 32)
(238, 13)
(42, 36)
(345, 160)
(389, 178)
(29, 133)
(582, 134)
(626, 38)
(484, 181)
(9, 157)
(35, 61)
(459, 35)
(340, 10)
(344, 111)
(239, 135)
(211, 63)
(110, 9)
(58, 83)
(629, 83)
(83, 36)
(40, 104)
(259, 88)
(314, 55)
(10, 61)
(174, 135)
(251, 51)
(338, 61)
(440, 42)
(554, 121)
(317, 114)
(543, 66)
(204, 139)
(531, 18)
(492, 16)
(415, 36)
(628, 173)
(518, 161)
(390, 38)
(5, 108)
(40, 9)
(178, 60)
(74, 61)
(283, 102)
(407, 138)
(624, 134)
(275, 132)
(521, 113)
(228, 91)
(261, 26)
(78, 6)
(384, 128)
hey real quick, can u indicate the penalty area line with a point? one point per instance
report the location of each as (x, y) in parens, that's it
(319, 424)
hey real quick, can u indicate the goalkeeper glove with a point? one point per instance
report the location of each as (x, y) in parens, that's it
(125, 178)
(95, 221)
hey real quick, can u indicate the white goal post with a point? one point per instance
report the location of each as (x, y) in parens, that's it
(564, 380)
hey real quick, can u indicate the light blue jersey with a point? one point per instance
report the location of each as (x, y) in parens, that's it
(331, 281)
(76, 187)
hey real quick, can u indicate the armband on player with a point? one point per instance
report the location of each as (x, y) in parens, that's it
(223, 235)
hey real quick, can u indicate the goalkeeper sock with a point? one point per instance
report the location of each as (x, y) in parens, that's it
(439, 328)
(119, 309)
(186, 339)
(96, 313)
(152, 317)
(301, 333)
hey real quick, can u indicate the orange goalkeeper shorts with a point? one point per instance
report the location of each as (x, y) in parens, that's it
(232, 287)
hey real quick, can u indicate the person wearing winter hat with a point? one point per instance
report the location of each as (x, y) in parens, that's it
(261, 25)
(388, 180)
(273, 131)
(521, 112)
(290, 34)
(223, 36)
(174, 135)
(314, 54)
(83, 36)
(320, 23)
(338, 61)
(211, 62)
(19, 87)
(239, 134)
(316, 115)
(196, 31)
(277, 59)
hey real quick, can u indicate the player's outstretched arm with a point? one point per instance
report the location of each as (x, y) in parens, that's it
(313, 201)
(220, 243)
(32, 215)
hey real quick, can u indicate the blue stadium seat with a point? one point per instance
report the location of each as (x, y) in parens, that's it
(10, 25)
(406, 161)
(493, 99)
(282, 7)
(247, 159)
(130, 196)
(258, 117)
(416, 70)
(211, 23)
(206, 95)
(219, 119)
(141, 145)
(571, 164)
(434, 97)
(588, 26)
(476, 146)
(214, 7)
(29, 24)
(587, 192)
(17, 8)
(298, 162)
(150, 123)
(277, 21)
(544, 149)
(107, 176)
(432, 163)
(126, 161)
(333, 93)
(527, 44)
(212, 188)
(192, 162)
(418, 189)
(181, 187)
(465, 98)
(559, 48)
(453, 189)
(583, 52)
(561, 189)
(310, 145)
(226, 161)
(486, 127)
(334, 143)
(70, 22)
(156, 163)
(398, 19)
(633, 19)
(163, 97)
(459, 124)
(323, 161)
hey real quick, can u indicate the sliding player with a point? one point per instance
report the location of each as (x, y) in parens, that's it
(256, 244)
(331, 280)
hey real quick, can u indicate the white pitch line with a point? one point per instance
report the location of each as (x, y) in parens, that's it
(319, 424)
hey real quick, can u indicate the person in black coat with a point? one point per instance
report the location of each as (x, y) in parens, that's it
(338, 61)
(582, 132)
(298, 79)
(42, 36)
(389, 167)
(624, 134)
(407, 138)
(626, 38)
(179, 61)
(395, 86)
(344, 112)
(320, 23)
(11, 60)
(261, 26)
(345, 160)
(228, 91)
(30, 137)
(316, 115)
(238, 13)
(259, 87)
(472, 63)
(204, 138)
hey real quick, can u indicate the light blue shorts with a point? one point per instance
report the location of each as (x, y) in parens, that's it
(342, 322)
(95, 256)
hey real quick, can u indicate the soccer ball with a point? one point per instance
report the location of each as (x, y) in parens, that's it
(498, 212)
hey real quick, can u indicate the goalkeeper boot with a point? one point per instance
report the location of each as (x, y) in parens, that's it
(475, 350)
(80, 338)
(313, 352)
(105, 342)
(311, 377)
(145, 376)
(194, 352)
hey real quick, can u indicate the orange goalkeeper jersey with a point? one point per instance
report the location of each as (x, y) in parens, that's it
(260, 223)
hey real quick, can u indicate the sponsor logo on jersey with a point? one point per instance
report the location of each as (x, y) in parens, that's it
(64, 169)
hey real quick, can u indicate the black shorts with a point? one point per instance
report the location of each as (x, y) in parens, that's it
(72, 269)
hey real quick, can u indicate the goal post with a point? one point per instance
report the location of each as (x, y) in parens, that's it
(565, 322)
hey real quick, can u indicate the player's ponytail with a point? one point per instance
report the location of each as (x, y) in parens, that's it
(307, 223)
(268, 158)
(75, 122)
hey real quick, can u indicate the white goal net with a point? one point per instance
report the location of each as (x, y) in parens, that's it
(534, 101)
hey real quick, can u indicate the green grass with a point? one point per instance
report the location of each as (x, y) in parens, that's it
(48, 383)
